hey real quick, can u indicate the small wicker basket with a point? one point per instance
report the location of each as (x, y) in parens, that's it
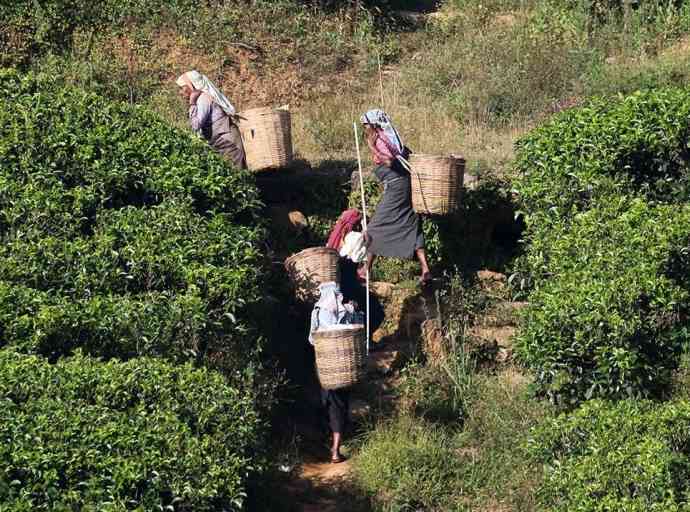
(267, 137)
(436, 183)
(309, 268)
(340, 355)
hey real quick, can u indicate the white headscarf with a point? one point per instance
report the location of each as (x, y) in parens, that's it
(378, 117)
(201, 82)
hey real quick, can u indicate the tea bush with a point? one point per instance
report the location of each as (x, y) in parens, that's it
(610, 317)
(629, 456)
(602, 187)
(636, 145)
(87, 435)
(120, 234)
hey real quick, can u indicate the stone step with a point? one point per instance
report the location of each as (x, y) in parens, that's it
(502, 314)
(502, 336)
(384, 362)
(324, 471)
(405, 306)
(359, 409)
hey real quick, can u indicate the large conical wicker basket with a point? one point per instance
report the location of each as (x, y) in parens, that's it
(340, 355)
(267, 138)
(436, 183)
(311, 267)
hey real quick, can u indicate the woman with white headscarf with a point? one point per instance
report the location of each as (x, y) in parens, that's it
(330, 312)
(395, 229)
(210, 115)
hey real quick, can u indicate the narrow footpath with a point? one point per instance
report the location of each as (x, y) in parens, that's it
(411, 326)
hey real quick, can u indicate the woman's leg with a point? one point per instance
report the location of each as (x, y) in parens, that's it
(421, 256)
(370, 261)
(335, 447)
(338, 410)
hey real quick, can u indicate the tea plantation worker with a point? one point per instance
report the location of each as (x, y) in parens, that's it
(328, 313)
(346, 237)
(211, 116)
(345, 226)
(395, 230)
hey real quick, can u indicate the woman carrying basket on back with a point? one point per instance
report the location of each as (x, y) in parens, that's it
(210, 115)
(330, 312)
(395, 230)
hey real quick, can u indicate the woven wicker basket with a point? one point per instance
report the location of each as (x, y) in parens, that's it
(436, 183)
(340, 355)
(267, 137)
(311, 267)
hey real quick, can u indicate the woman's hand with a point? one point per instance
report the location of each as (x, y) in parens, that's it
(370, 136)
(193, 96)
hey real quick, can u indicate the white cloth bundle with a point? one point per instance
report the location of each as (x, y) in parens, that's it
(329, 311)
(354, 247)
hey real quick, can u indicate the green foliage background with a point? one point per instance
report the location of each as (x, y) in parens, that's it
(84, 434)
(604, 189)
(628, 456)
(122, 238)
(120, 235)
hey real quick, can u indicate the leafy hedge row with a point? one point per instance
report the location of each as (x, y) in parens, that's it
(122, 237)
(607, 237)
(119, 234)
(87, 435)
(638, 145)
(612, 317)
(635, 146)
(631, 456)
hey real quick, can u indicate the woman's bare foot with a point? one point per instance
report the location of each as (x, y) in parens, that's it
(426, 274)
(337, 458)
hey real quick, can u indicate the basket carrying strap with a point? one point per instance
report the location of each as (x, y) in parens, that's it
(317, 308)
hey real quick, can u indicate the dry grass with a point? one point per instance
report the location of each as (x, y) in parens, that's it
(486, 467)
(479, 76)
(323, 129)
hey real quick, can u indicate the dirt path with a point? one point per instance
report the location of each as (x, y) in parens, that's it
(318, 485)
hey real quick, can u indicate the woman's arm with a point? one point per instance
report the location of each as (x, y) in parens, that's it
(199, 111)
(382, 152)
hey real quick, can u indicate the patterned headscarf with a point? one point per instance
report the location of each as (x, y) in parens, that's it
(379, 118)
(201, 82)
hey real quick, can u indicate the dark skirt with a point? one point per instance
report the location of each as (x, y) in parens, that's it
(352, 289)
(337, 405)
(395, 229)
